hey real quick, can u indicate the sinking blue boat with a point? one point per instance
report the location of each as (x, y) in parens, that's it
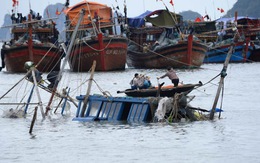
(218, 54)
(101, 108)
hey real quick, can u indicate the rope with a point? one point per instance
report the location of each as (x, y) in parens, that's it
(161, 54)
(97, 49)
(101, 90)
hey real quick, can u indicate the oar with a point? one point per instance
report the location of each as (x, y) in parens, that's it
(126, 91)
(193, 108)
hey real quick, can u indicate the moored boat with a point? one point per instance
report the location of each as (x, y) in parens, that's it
(96, 39)
(33, 40)
(220, 38)
(218, 52)
(163, 44)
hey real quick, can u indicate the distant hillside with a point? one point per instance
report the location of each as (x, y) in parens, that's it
(5, 34)
(245, 8)
(189, 15)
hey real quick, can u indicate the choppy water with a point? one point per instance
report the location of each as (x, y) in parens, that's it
(233, 138)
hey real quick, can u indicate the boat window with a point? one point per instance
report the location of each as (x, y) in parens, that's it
(105, 110)
(150, 37)
(143, 114)
(117, 110)
(132, 113)
(112, 110)
(139, 113)
(94, 108)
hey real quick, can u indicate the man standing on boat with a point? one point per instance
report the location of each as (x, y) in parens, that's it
(172, 76)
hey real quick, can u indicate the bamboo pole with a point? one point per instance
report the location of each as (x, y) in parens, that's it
(73, 37)
(33, 120)
(89, 88)
(37, 92)
(221, 83)
(223, 73)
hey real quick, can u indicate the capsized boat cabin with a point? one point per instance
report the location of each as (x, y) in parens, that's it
(135, 110)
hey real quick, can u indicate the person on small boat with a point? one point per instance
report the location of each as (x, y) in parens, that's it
(38, 75)
(171, 74)
(140, 82)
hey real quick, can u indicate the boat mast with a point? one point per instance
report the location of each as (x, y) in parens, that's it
(30, 43)
(85, 103)
(96, 29)
(223, 73)
(82, 13)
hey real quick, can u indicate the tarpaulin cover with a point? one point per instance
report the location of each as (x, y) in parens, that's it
(163, 18)
(102, 10)
(138, 21)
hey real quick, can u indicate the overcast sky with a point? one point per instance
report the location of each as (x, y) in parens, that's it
(134, 7)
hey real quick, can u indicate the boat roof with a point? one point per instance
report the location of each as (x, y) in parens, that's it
(160, 18)
(138, 21)
(103, 11)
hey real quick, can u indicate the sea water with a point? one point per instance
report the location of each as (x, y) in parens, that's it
(235, 137)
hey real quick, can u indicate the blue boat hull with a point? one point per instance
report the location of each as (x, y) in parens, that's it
(218, 55)
(114, 109)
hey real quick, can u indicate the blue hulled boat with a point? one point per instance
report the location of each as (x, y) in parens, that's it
(218, 53)
(101, 108)
(136, 109)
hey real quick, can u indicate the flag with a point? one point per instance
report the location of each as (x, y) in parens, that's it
(197, 19)
(15, 3)
(171, 2)
(221, 10)
(57, 12)
(206, 16)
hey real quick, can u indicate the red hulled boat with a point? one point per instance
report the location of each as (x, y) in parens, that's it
(96, 39)
(33, 41)
(162, 44)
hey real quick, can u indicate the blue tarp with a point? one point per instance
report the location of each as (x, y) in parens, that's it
(138, 21)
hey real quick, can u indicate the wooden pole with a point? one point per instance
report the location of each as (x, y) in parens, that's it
(65, 61)
(89, 88)
(221, 83)
(102, 52)
(37, 92)
(189, 50)
(33, 120)
(30, 42)
(223, 72)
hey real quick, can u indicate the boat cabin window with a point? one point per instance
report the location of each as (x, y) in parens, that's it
(139, 113)
(93, 108)
(114, 110)
(105, 110)
(150, 37)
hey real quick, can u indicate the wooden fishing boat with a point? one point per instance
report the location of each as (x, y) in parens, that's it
(32, 41)
(96, 39)
(218, 52)
(223, 35)
(163, 44)
(165, 91)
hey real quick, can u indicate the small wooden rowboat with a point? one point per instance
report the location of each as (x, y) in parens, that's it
(164, 91)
